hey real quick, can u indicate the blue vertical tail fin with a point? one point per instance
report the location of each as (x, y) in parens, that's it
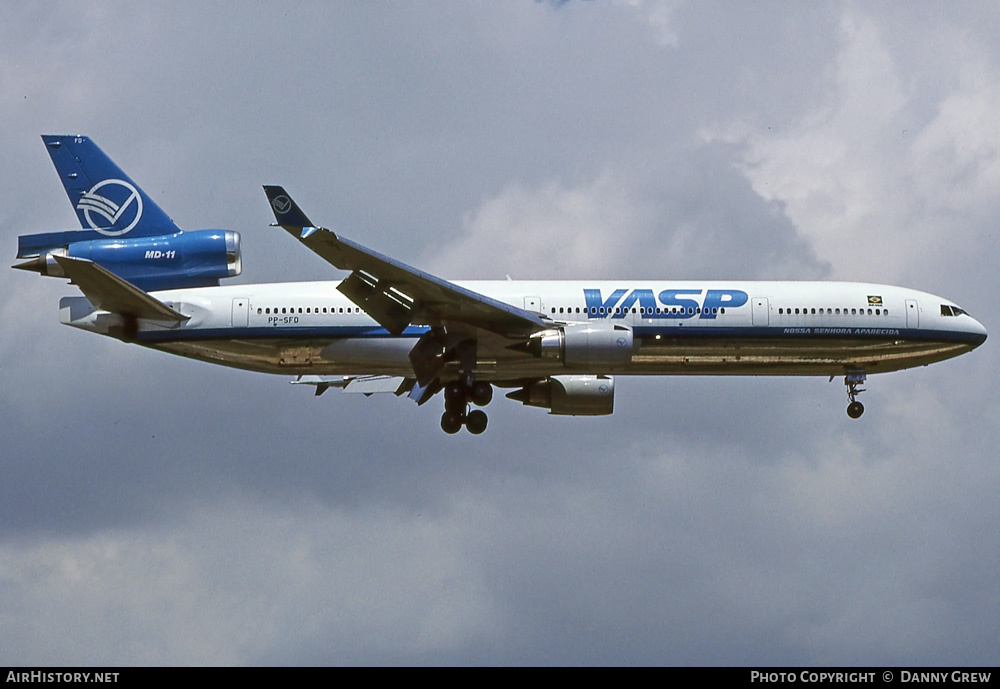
(124, 232)
(104, 197)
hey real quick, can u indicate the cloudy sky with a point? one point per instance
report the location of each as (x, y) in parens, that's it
(155, 510)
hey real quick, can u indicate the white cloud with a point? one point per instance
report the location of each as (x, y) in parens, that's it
(659, 15)
(866, 182)
(555, 231)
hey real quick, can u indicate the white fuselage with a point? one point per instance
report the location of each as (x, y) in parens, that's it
(682, 327)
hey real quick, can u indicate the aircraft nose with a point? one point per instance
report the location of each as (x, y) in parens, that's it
(978, 332)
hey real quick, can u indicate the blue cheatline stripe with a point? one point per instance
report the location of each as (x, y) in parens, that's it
(274, 332)
(334, 332)
(810, 332)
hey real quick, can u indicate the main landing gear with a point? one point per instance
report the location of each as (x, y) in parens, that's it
(457, 397)
(853, 380)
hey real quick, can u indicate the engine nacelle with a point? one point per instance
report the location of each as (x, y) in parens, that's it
(570, 395)
(592, 344)
(184, 259)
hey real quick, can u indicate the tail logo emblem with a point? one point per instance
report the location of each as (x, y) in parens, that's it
(118, 203)
(281, 204)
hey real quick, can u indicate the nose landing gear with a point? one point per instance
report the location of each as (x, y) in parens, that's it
(853, 380)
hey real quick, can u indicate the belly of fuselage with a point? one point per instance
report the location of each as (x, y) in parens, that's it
(666, 356)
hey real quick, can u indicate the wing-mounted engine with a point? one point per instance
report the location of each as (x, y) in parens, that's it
(570, 395)
(584, 345)
(182, 259)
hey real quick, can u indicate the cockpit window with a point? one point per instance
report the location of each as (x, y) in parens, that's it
(947, 310)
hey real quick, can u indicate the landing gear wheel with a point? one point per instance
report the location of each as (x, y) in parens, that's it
(854, 380)
(482, 393)
(476, 421)
(451, 423)
(458, 395)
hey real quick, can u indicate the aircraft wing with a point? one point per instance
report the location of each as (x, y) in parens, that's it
(366, 385)
(107, 291)
(395, 294)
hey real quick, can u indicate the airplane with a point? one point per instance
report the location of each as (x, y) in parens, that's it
(388, 327)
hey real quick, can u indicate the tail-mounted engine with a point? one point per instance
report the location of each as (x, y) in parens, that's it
(596, 344)
(183, 259)
(570, 395)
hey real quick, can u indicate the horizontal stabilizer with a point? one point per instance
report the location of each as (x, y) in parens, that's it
(107, 291)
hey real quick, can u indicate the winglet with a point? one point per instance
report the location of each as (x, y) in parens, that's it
(286, 211)
(107, 291)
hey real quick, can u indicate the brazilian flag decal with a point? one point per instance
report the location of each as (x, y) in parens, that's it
(874, 301)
